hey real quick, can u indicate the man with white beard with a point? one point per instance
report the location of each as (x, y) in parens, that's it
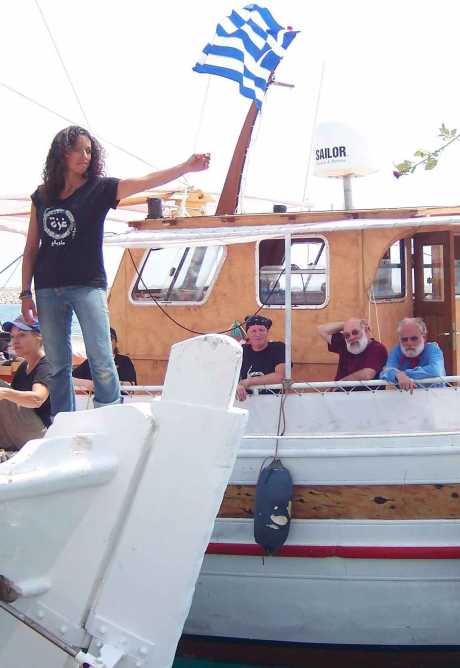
(413, 358)
(361, 357)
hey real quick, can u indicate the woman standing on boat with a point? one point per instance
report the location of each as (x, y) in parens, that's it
(63, 254)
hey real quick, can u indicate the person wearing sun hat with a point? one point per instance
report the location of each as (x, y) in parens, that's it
(24, 405)
(263, 360)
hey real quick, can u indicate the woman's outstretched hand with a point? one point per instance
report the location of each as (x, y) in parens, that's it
(198, 162)
(29, 310)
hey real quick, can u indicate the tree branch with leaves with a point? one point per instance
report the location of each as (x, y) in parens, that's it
(429, 159)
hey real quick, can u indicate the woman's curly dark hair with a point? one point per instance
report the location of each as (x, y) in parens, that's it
(55, 165)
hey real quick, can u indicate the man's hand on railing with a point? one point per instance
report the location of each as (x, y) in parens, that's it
(404, 382)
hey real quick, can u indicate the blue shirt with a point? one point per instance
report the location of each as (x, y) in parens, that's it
(429, 364)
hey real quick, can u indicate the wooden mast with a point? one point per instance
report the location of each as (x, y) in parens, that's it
(229, 197)
(228, 202)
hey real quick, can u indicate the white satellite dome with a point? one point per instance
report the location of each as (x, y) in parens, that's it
(339, 150)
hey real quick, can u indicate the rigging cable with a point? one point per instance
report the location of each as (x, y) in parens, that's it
(61, 60)
(10, 264)
(12, 273)
(201, 116)
(73, 122)
(69, 79)
(315, 119)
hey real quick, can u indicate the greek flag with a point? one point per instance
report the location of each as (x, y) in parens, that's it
(247, 47)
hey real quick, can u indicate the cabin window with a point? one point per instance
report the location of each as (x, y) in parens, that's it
(390, 280)
(433, 272)
(309, 272)
(178, 274)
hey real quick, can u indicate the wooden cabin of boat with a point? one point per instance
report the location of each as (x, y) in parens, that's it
(405, 267)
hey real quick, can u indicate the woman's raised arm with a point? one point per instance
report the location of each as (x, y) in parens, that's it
(196, 163)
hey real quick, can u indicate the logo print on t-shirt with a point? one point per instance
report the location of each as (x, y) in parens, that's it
(253, 374)
(59, 224)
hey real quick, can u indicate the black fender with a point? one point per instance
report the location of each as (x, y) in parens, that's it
(272, 514)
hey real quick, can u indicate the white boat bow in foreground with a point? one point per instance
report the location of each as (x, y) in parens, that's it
(105, 521)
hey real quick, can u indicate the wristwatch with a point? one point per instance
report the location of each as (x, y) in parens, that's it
(25, 294)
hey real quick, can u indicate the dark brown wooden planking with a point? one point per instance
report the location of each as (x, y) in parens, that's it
(375, 502)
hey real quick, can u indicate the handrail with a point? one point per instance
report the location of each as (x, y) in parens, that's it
(317, 385)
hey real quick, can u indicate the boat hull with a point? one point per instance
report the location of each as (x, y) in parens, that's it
(373, 555)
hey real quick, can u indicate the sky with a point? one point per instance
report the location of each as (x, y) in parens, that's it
(390, 72)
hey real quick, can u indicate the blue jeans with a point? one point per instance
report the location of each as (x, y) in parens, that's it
(55, 308)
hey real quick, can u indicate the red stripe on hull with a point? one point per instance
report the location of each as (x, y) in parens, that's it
(348, 552)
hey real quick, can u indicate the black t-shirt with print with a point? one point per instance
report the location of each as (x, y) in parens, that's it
(71, 235)
(24, 381)
(125, 369)
(262, 361)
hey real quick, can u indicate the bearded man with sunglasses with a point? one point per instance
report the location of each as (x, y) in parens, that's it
(361, 357)
(413, 358)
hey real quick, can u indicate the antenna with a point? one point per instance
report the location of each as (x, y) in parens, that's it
(341, 152)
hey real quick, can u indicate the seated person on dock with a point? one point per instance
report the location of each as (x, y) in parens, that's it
(125, 368)
(360, 356)
(263, 360)
(24, 405)
(413, 358)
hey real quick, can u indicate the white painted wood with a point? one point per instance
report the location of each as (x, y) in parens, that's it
(68, 532)
(240, 233)
(117, 505)
(364, 438)
(336, 413)
(350, 601)
(394, 533)
(160, 552)
(206, 372)
(337, 438)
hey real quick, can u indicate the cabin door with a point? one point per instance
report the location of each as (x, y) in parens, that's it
(434, 277)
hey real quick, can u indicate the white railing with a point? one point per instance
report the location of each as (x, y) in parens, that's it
(346, 386)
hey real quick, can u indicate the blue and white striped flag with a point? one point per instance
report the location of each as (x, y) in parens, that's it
(247, 47)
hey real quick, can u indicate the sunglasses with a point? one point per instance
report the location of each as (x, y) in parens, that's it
(354, 332)
(406, 339)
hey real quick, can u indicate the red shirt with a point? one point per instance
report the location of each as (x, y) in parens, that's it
(373, 357)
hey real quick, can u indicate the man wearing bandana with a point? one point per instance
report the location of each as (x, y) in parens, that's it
(361, 357)
(263, 360)
(413, 358)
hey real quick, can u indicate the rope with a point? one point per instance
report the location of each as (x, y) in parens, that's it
(377, 320)
(182, 212)
(280, 431)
